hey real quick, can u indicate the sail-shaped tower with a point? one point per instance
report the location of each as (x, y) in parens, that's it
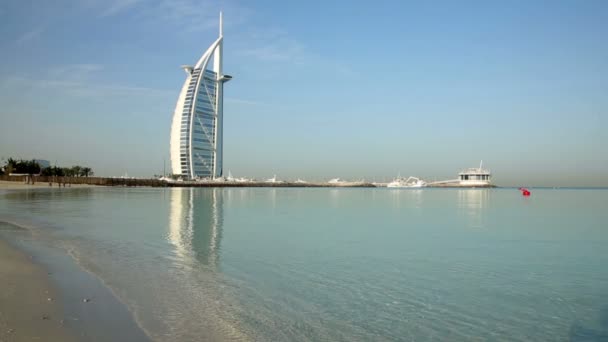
(196, 130)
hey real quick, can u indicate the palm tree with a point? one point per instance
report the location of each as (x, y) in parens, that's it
(11, 164)
(28, 167)
(86, 171)
(76, 171)
(32, 167)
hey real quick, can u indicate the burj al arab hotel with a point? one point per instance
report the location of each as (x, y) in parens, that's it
(196, 129)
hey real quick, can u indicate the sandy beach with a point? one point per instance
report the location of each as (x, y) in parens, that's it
(29, 310)
(46, 296)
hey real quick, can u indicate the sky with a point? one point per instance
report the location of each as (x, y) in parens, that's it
(321, 89)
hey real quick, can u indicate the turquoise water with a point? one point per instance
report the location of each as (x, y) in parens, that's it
(338, 264)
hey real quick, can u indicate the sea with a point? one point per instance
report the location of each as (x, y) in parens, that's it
(336, 264)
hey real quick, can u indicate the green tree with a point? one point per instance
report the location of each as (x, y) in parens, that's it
(10, 165)
(53, 171)
(58, 171)
(67, 171)
(86, 171)
(32, 167)
(29, 167)
(76, 171)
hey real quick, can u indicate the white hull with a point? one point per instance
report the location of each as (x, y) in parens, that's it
(474, 183)
(416, 186)
(411, 182)
(340, 182)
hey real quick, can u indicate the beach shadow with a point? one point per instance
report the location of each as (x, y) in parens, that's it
(579, 333)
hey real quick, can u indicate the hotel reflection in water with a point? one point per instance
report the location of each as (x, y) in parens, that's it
(195, 224)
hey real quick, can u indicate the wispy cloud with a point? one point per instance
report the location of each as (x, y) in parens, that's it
(30, 35)
(108, 8)
(78, 80)
(186, 10)
(196, 15)
(341, 68)
(271, 45)
(86, 89)
(113, 7)
(245, 102)
(185, 15)
(74, 71)
(287, 50)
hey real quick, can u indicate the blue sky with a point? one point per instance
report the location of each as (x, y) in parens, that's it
(320, 90)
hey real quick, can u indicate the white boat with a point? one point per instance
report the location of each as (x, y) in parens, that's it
(299, 181)
(411, 182)
(341, 182)
(230, 178)
(475, 176)
(273, 180)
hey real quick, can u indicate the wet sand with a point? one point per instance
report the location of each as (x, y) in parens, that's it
(29, 310)
(46, 296)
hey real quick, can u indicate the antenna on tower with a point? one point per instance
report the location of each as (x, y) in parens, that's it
(221, 24)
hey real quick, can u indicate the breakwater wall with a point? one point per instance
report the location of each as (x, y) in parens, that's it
(152, 182)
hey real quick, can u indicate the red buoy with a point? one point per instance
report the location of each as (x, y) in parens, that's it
(524, 191)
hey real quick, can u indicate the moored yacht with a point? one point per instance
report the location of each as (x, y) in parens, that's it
(273, 180)
(411, 182)
(341, 182)
(231, 178)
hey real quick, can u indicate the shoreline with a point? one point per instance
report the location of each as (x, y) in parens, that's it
(49, 297)
(29, 308)
(19, 185)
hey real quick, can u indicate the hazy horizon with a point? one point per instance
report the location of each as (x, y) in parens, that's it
(320, 90)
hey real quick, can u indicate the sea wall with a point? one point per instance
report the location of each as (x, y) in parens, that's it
(103, 181)
(152, 182)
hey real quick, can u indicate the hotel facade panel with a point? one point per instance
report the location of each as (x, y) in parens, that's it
(196, 143)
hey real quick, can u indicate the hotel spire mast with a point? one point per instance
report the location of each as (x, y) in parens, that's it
(219, 127)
